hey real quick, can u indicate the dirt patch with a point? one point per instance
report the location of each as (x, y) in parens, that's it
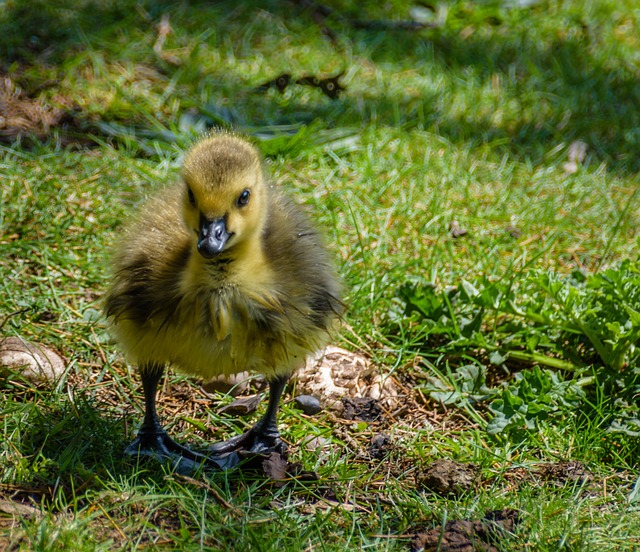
(564, 472)
(447, 477)
(468, 536)
(182, 401)
(381, 446)
(361, 409)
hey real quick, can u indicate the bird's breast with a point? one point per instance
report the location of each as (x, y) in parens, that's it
(215, 331)
(222, 320)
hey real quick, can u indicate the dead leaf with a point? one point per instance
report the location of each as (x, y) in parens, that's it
(275, 467)
(456, 230)
(164, 29)
(576, 153)
(242, 406)
(18, 509)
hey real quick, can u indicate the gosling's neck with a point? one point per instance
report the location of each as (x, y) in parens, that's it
(243, 265)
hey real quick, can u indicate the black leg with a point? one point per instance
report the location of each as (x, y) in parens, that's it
(262, 438)
(151, 377)
(266, 430)
(152, 439)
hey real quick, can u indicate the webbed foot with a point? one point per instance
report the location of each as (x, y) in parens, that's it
(261, 440)
(250, 444)
(158, 445)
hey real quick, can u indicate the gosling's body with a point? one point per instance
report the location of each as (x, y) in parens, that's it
(262, 310)
(221, 273)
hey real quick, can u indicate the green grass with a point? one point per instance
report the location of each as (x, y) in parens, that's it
(470, 121)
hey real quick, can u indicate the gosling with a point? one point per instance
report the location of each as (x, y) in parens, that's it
(220, 273)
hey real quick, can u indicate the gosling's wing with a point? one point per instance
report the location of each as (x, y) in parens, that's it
(305, 268)
(151, 256)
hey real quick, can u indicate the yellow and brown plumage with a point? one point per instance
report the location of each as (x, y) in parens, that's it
(218, 274)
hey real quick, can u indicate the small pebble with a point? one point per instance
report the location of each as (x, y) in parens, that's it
(316, 443)
(308, 404)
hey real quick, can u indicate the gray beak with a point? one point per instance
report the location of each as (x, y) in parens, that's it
(212, 238)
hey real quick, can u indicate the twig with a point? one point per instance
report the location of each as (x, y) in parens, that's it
(12, 314)
(209, 488)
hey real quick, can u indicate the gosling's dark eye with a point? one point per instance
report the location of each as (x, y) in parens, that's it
(192, 198)
(243, 198)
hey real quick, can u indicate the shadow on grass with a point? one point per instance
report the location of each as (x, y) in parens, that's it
(70, 441)
(560, 86)
(62, 441)
(563, 93)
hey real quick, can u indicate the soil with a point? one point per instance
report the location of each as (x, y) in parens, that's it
(468, 536)
(361, 409)
(447, 477)
(380, 447)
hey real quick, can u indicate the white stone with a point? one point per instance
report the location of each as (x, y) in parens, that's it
(34, 362)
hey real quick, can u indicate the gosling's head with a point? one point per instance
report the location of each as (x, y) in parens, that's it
(224, 193)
